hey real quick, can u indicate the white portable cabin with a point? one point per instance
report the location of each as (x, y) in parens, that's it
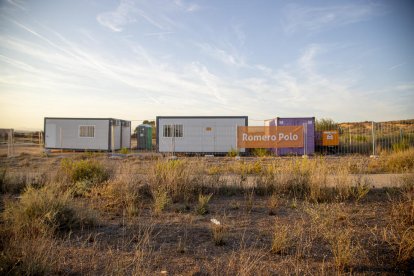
(198, 135)
(87, 133)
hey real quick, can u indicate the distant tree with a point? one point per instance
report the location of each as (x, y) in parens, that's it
(326, 124)
(146, 122)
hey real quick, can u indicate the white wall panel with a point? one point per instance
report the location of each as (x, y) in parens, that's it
(201, 134)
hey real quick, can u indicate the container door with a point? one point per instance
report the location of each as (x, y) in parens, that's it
(209, 131)
(50, 136)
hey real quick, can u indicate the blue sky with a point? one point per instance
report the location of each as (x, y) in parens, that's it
(345, 60)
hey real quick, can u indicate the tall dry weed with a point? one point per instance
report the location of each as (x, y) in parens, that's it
(399, 233)
(124, 193)
(342, 247)
(202, 207)
(401, 161)
(29, 256)
(180, 179)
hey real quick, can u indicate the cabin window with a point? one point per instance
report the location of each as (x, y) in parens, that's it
(87, 131)
(173, 131)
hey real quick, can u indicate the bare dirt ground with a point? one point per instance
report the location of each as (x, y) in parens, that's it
(181, 241)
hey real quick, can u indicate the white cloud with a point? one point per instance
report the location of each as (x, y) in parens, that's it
(115, 20)
(405, 87)
(221, 55)
(130, 11)
(315, 19)
(18, 4)
(47, 67)
(188, 7)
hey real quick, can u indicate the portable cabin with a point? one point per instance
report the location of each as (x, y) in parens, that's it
(198, 134)
(144, 137)
(94, 134)
(308, 124)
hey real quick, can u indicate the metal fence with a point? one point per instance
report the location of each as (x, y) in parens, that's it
(11, 139)
(8, 136)
(367, 138)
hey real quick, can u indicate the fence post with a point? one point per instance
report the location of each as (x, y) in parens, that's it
(373, 139)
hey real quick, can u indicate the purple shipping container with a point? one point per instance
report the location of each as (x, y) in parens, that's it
(309, 134)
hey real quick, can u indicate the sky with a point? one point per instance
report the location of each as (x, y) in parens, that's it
(131, 59)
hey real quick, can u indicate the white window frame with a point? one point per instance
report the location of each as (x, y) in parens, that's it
(88, 126)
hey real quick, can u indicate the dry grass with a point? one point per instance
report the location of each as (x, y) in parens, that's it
(399, 233)
(178, 178)
(342, 247)
(219, 232)
(123, 194)
(401, 161)
(42, 212)
(27, 256)
(315, 228)
(16, 182)
(29, 225)
(243, 261)
(282, 238)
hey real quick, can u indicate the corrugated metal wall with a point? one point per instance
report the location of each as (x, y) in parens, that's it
(309, 134)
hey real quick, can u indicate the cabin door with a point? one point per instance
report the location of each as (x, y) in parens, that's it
(50, 136)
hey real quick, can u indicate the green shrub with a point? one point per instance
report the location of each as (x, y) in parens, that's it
(85, 170)
(202, 207)
(161, 200)
(260, 152)
(325, 124)
(42, 212)
(124, 151)
(81, 188)
(400, 146)
(233, 152)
